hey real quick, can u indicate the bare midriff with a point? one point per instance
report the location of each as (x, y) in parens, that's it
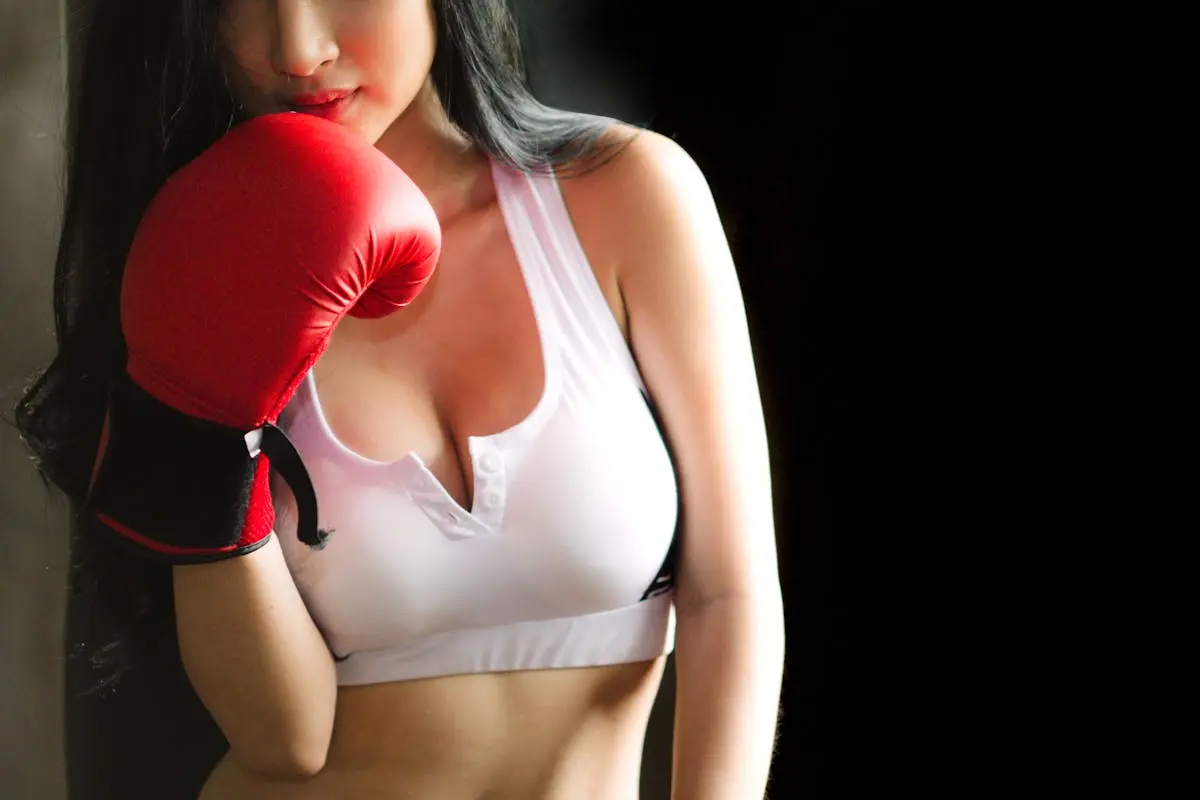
(562, 734)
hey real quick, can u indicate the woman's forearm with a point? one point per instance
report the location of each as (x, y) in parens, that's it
(257, 660)
(729, 670)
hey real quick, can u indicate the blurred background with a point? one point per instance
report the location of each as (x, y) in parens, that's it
(32, 529)
(784, 116)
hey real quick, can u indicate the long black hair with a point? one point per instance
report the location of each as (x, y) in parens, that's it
(149, 95)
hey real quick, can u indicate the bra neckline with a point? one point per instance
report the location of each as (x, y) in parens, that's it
(487, 451)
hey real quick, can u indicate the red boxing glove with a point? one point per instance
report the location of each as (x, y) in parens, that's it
(240, 269)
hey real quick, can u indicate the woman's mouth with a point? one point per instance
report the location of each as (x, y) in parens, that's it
(329, 104)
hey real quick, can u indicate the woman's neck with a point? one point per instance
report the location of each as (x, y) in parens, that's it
(451, 171)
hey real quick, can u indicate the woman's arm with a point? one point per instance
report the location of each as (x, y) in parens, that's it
(257, 661)
(689, 332)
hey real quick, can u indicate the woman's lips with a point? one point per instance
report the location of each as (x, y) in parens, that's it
(328, 104)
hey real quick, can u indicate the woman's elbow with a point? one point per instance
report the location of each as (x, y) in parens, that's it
(246, 767)
(283, 760)
(291, 747)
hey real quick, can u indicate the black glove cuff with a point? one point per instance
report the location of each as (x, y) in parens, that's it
(177, 488)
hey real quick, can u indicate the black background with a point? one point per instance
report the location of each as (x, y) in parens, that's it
(790, 110)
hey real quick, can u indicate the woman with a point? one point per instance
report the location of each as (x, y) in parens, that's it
(498, 406)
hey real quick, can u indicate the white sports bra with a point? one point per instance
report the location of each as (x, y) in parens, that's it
(565, 559)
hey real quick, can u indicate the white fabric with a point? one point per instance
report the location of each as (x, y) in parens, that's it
(574, 509)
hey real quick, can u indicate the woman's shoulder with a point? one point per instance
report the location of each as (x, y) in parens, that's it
(626, 158)
(637, 182)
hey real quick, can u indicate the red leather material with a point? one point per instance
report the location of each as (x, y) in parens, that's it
(240, 269)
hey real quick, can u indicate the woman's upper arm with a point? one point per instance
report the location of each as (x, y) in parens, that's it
(690, 336)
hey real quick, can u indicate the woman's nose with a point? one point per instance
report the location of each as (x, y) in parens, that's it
(304, 38)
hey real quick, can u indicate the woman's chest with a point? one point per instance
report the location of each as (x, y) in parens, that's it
(467, 359)
(504, 465)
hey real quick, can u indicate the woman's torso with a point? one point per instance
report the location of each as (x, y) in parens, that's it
(542, 735)
(415, 382)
